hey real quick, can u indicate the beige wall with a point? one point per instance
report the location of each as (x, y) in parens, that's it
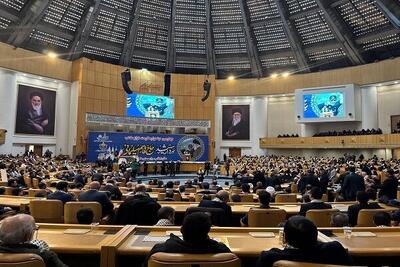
(387, 70)
(34, 63)
(281, 117)
(388, 105)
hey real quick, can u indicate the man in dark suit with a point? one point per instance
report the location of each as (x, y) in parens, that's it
(93, 194)
(353, 210)
(114, 190)
(301, 238)
(61, 193)
(316, 202)
(352, 184)
(195, 229)
(389, 187)
(308, 179)
(220, 201)
(138, 209)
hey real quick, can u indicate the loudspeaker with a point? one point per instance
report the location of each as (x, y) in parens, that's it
(167, 84)
(350, 114)
(126, 77)
(207, 89)
(298, 117)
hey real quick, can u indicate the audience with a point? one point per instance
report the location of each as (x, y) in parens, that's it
(61, 193)
(166, 216)
(352, 184)
(388, 189)
(382, 219)
(93, 194)
(300, 237)
(138, 209)
(264, 198)
(316, 202)
(220, 201)
(339, 219)
(195, 239)
(353, 210)
(16, 234)
(349, 132)
(85, 216)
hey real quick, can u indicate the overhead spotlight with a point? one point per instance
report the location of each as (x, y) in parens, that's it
(285, 74)
(396, 82)
(380, 84)
(52, 55)
(144, 69)
(231, 78)
(274, 75)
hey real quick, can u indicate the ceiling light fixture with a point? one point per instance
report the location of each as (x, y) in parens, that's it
(52, 55)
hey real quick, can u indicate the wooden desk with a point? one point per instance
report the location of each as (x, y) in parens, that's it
(237, 239)
(18, 202)
(90, 243)
(381, 249)
(385, 243)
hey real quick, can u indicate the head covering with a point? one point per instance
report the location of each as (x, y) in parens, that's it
(270, 190)
(237, 110)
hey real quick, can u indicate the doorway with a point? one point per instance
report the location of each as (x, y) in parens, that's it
(235, 152)
(37, 149)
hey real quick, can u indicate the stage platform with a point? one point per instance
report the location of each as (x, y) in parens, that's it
(182, 177)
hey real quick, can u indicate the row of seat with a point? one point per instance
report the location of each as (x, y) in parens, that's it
(160, 259)
(54, 211)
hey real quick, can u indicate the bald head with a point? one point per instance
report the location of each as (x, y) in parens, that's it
(94, 185)
(223, 195)
(17, 229)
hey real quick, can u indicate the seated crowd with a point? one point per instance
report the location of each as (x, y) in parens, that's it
(316, 180)
(350, 132)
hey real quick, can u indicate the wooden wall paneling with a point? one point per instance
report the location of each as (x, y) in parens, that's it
(105, 107)
(382, 71)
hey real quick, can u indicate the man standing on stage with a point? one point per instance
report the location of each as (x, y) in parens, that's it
(135, 165)
(178, 167)
(155, 167)
(145, 166)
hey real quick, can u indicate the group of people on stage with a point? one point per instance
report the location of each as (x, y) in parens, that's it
(168, 168)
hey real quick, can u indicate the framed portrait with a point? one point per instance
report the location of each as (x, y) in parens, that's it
(35, 111)
(395, 123)
(235, 122)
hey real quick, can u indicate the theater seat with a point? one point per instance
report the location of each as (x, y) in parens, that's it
(8, 190)
(32, 192)
(47, 210)
(72, 208)
(366, 217)
(199, 197)
(285, 198)
(284, 263)
(190, 190)
(188, 260)
(321, 218)
(246, 197)
(21, 260)
(266, 217)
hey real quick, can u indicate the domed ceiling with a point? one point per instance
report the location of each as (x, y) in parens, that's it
(245, 38)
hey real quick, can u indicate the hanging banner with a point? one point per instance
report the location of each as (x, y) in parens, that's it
(147, 147)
